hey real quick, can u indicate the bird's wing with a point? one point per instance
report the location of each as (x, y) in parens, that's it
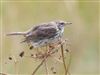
(46, 32)
(40, 28)
(43, 31)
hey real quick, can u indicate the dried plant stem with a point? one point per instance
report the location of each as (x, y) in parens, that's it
(69, 73)
(48, 54)
(38, 67)
(69, 63)
(46, 68)
(15, 63)
(70, 56)
(58, 60)
(62, 52)
(3, 74)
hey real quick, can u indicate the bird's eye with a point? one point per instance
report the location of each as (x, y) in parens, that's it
(62, 23)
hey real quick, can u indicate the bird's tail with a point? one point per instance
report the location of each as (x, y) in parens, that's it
(17, 33)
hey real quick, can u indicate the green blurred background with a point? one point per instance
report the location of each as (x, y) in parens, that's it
(83, 33)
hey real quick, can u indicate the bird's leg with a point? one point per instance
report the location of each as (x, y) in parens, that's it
(54, 45)
(47, 49)
(60, 41)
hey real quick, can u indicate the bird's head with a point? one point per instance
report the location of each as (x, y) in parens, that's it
(62, 24)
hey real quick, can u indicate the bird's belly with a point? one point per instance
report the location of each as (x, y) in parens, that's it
(45, 42)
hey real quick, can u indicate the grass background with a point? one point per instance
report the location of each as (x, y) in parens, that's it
(83, 33)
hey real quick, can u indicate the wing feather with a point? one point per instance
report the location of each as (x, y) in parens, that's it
(41, 32)
(46, 32)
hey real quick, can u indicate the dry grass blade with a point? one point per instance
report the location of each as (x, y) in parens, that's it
(69, 63)
(38, 66)
(62, 52)
(46, 68)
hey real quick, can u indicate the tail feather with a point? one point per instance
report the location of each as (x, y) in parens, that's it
(16, 33)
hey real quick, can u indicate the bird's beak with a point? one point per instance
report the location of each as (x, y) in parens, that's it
(68, 23)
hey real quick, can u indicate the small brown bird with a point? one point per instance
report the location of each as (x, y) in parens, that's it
(44, 34)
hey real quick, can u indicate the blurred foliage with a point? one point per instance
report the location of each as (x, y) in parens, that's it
(83, 33)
